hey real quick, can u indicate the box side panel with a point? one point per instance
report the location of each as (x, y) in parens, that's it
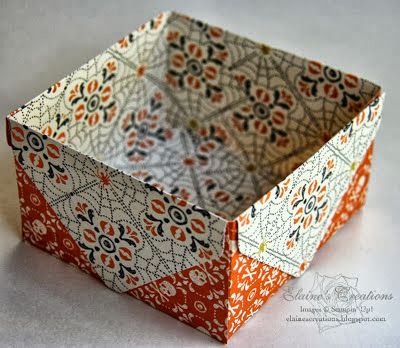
(354, 198)
(254, 282)
(130, 232)
(285, 227)
(196, 296)
(199, 111)
(84, 109)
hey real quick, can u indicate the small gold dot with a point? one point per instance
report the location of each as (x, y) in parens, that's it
(353, 166)
(265, 49)
(251, 167)
(262, 247)
(193, 124)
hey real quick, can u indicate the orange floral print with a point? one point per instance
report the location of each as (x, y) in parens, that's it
(91, 101)
(309, 204)
(264, 113)
(320, 80)
(195, 66)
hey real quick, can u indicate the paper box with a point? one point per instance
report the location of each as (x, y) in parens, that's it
(194, 169)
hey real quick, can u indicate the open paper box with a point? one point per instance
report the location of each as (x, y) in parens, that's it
(194, 169)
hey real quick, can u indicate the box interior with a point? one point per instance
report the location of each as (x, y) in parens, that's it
(207, 115)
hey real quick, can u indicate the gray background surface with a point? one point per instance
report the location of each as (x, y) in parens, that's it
(46, 302)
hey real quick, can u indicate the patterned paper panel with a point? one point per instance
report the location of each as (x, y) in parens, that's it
(285, 227)
(199, 112)
(131, 232)
(182, 111)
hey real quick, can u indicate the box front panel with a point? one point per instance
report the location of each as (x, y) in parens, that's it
(286, 226)
(254, 282)
(196, 295)
(130, 232)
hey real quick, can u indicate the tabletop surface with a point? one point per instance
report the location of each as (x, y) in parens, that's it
(46, 302)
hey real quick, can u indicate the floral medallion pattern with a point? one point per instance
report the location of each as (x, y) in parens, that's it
(37, 151)
(214, 35)
(365, 117)
(152, 26)
(195, 66)
(92, 101)
(144, 130)
(108, 245)
(265, 112)
(207, 139)
(57, 129)
(320, 80)
(173, 216)
(310, 204)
